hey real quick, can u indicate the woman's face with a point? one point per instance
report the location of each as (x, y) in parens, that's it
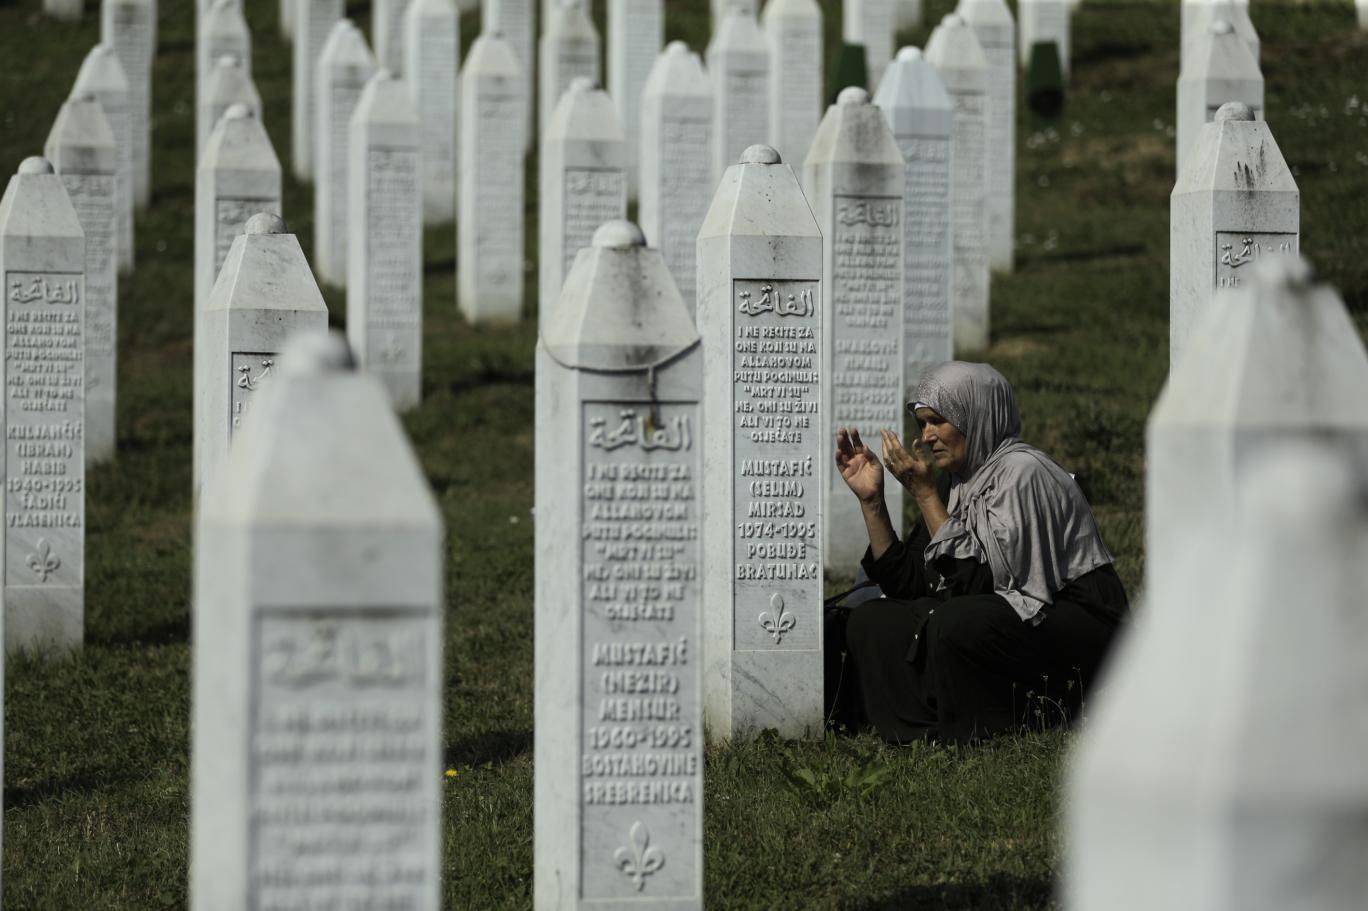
(948, 446)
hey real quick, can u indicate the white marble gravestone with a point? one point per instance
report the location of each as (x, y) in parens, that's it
(287, 19)
(636, 32)
(69, 10)
(569, 50)
(954, 52)
(922, 116)
(432, 59)
(1362, 6)
(619, 749)
(995, 29)
(387, 30)
(102, 75)
(81, 148)
(515, 21)
(760, 303)
(1234, 203)
(314, 21)
(222, 31)
(229, 84)
(1198, 16)
(1216, 68)
(739, 66)
(489, 229)
(129, 27)
(385, 243)
(238, 176)
(1044, 21)
(583, 182)
(907, 14)
(676, 160)
(854, 180)
(42, 264)
(264, 294)
(316, 761)
(1256, 453)
(870, 23)
(721, 7)
(344, 68)
(793, 29)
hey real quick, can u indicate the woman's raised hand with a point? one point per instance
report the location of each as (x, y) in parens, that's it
(915, 470)
(859, 466)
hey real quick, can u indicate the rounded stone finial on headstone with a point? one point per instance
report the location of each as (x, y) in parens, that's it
(384, 73)
(677, 49)
(582, 84)
(228, 60)
(952, 20)
(36, 164)
(909, 54)
(619, 233)
(1221, 27)
(238, 111)
(265, 223)
(315, 353)
(761, 154)
(852, 95)
(1234, 110)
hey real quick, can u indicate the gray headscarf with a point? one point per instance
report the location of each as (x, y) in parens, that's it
(1010, 506)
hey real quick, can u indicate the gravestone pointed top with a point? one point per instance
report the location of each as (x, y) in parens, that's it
(761, 154)
(265, 223)
(1222, 27)
(853, 94)
(317, 353)
(677, 49)
(910, 53)
(36, 164)
(953, 20)
(619, 233)
(1235, 110)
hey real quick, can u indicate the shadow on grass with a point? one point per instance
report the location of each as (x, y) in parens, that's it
(999, 892)
(491, 746)
(82, 784)
(175, 631)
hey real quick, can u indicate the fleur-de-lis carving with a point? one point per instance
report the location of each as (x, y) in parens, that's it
(782, 621)
(45, 562)
(641, 859)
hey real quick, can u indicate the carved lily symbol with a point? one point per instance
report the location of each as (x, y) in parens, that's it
(45, 562)
(782, 621)
(641, 860)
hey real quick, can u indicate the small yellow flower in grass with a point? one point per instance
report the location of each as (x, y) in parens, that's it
(451, 773)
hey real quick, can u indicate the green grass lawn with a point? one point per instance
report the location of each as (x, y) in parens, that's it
(96, 746)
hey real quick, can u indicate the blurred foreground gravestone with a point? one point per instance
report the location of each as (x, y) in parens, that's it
(1234, 203)
(42, 261)
(264, 293)
(739, 66)
(619, 747)
(583, 181)
(636, 32)
(314, 21)
(1257, 451)
(81, 148)
(1216, 68)
(760, 306)
(853, 179)
(316, 762)
(344, 68)
(102, 75)
(385, 240)
(993, 25)
(129, 28)
(793, 29)
(432, 51)
(921, 114)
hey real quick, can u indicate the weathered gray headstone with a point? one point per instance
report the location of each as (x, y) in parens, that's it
(385, 244)
(316, 763)
(222, 31)
(1044, 20)
(229, 84)
(489, 230)
(995, 29)
(314, 22)
(1216, 68)
(102, 75)
(793, 29)
(760, 303)
(42, 262)
(569, 51)
(922, 116)
(1239, 819)
(1234, 203)
(69, 10)
(583, 182)
(1198, 17)
(869, 23)
(619, 749)
(344, 68)
(636, 32)
(954, 52)
(82, 149)
(854, 180)
(387, 28)
(515, 21)
(129, 27)
(676, 160)
(264, 294)
(432, 50)
(739, 66)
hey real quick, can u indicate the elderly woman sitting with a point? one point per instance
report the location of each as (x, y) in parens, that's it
(1002, 602)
